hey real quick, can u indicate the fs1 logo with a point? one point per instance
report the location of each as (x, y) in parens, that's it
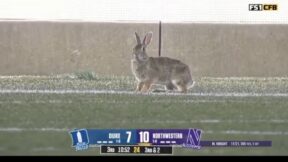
(80, 139)
(261, 7)
(193, 139)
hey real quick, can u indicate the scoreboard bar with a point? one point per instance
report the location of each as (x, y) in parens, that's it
(136, 136)
(149, 141)
(82, 138)
(136, 149)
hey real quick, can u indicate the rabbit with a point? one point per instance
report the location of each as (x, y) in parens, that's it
(172, 73)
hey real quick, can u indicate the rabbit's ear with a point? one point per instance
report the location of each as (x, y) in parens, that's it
(147, 39)
(137, 38)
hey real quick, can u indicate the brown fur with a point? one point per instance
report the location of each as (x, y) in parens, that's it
(172, 73)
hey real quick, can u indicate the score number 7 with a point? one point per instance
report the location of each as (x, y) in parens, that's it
(129, 136)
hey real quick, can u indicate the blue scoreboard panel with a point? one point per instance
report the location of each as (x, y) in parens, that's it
(149, 141)
(138, 141)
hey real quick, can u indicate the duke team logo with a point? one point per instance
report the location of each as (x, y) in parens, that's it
(80, 139)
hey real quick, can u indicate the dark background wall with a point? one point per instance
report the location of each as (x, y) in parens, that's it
(217, 50)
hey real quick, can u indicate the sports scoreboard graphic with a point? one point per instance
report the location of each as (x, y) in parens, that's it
(142, 141)
(148, 141)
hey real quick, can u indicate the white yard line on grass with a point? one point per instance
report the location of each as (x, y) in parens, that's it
(208, 121)
(252, 132)
(235, 94)
(123, 101)
(213, 121)
(255, 132)
(34, 129)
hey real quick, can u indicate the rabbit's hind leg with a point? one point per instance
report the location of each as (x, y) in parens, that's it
(183, 89)
(180, 86)
(146, 87)
(139, 86)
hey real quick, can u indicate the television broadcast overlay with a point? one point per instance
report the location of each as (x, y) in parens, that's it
(149, 141)
(144, 77)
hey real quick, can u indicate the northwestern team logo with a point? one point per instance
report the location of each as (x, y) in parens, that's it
(193, 139)
(80, 139)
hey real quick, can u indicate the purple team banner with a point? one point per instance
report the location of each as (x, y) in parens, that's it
(187, 137)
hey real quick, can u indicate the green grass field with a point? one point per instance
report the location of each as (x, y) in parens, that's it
(33, 123)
